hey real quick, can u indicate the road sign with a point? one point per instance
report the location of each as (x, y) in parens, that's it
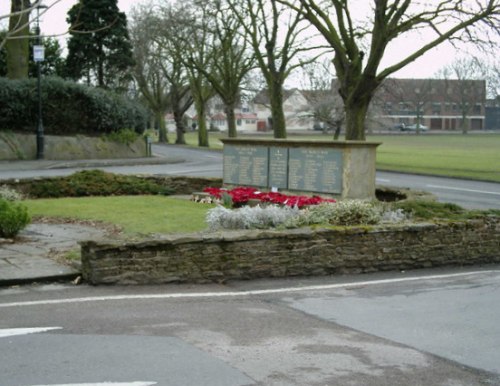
(38, 53)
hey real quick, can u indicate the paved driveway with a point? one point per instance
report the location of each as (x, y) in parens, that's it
(435, 327)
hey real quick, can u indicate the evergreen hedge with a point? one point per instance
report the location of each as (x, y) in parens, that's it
(68, 108)
(95, 183)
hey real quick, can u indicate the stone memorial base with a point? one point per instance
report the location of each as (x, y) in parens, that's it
(344, 169)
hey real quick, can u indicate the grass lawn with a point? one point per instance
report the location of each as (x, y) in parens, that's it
(471, 156)
(134, 214)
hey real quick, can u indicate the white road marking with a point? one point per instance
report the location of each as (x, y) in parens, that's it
(383, 180)
(25, 331)
(462, 189)
(107, 384)
(201, 295)
(191, 171)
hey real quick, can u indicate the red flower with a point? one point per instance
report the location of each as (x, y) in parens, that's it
(242, 195)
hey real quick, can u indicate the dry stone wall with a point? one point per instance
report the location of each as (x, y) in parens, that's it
(217, 257)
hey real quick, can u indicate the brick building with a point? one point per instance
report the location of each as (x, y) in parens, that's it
(439, 104)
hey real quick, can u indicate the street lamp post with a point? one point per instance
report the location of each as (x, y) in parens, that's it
(38, 57)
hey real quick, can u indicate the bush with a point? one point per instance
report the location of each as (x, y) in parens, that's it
(344, 213)
(13, 218)
(355, 212)
(347, 213)
(249, 217)
(95, 183)
(427, 210)
(68, 108)
(125, 136)
(9, 194)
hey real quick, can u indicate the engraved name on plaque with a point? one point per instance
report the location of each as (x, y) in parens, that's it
(315, 170)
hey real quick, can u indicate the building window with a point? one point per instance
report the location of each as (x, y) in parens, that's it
(436, 108)
(238, 122)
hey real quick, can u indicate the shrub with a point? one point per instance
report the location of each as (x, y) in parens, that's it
(395, 216)
(13, 218)
(95, 183)
(345, 213)
(349, 212)
(355, 212)
(68, 108)
(423, 209)
(249, 217)
(9, 194)
(125, 136)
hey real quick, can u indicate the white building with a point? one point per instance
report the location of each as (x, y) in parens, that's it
(296, 108)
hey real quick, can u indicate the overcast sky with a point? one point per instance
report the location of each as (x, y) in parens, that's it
(54, 23)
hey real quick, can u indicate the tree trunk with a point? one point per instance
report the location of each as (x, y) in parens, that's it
(338, 127)
(231, 122)
(162, 128)
(355, 120)
(100, 73)
(17, 49)
(465, 126)
(202, 124)
(180, 129)
(277, 113)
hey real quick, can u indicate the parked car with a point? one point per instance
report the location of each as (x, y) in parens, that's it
(397, 126)
(413, 128)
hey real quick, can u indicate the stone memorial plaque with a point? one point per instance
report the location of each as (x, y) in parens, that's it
(278, 167)
(315, 170)
(344, 168)
(246, 165)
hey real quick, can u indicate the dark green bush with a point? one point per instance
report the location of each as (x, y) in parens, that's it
(95, 183)
(125, 136)
(13, 218)
(68, 108)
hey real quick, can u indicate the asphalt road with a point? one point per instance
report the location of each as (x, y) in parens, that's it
(196, 162)
(436, 327)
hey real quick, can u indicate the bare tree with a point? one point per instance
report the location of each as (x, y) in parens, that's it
(360, 44)
(461, 79)
(148, 72)
(413, 96)
(20, 18)
(492, 75)
(276, 36)
(169, 47)
(228, 57)
(327, 109)
(189, 37)
(16, 41)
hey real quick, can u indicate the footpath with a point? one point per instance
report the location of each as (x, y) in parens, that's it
(30, 257)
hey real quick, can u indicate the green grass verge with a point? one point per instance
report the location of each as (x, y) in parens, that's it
(134, 214)
(471, 156)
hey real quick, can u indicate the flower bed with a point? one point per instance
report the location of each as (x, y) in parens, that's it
(242, 195)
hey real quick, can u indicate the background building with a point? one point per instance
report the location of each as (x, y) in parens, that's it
(439, 104)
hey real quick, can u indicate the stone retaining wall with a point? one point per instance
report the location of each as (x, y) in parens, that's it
(301, 252)
(15, 146)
